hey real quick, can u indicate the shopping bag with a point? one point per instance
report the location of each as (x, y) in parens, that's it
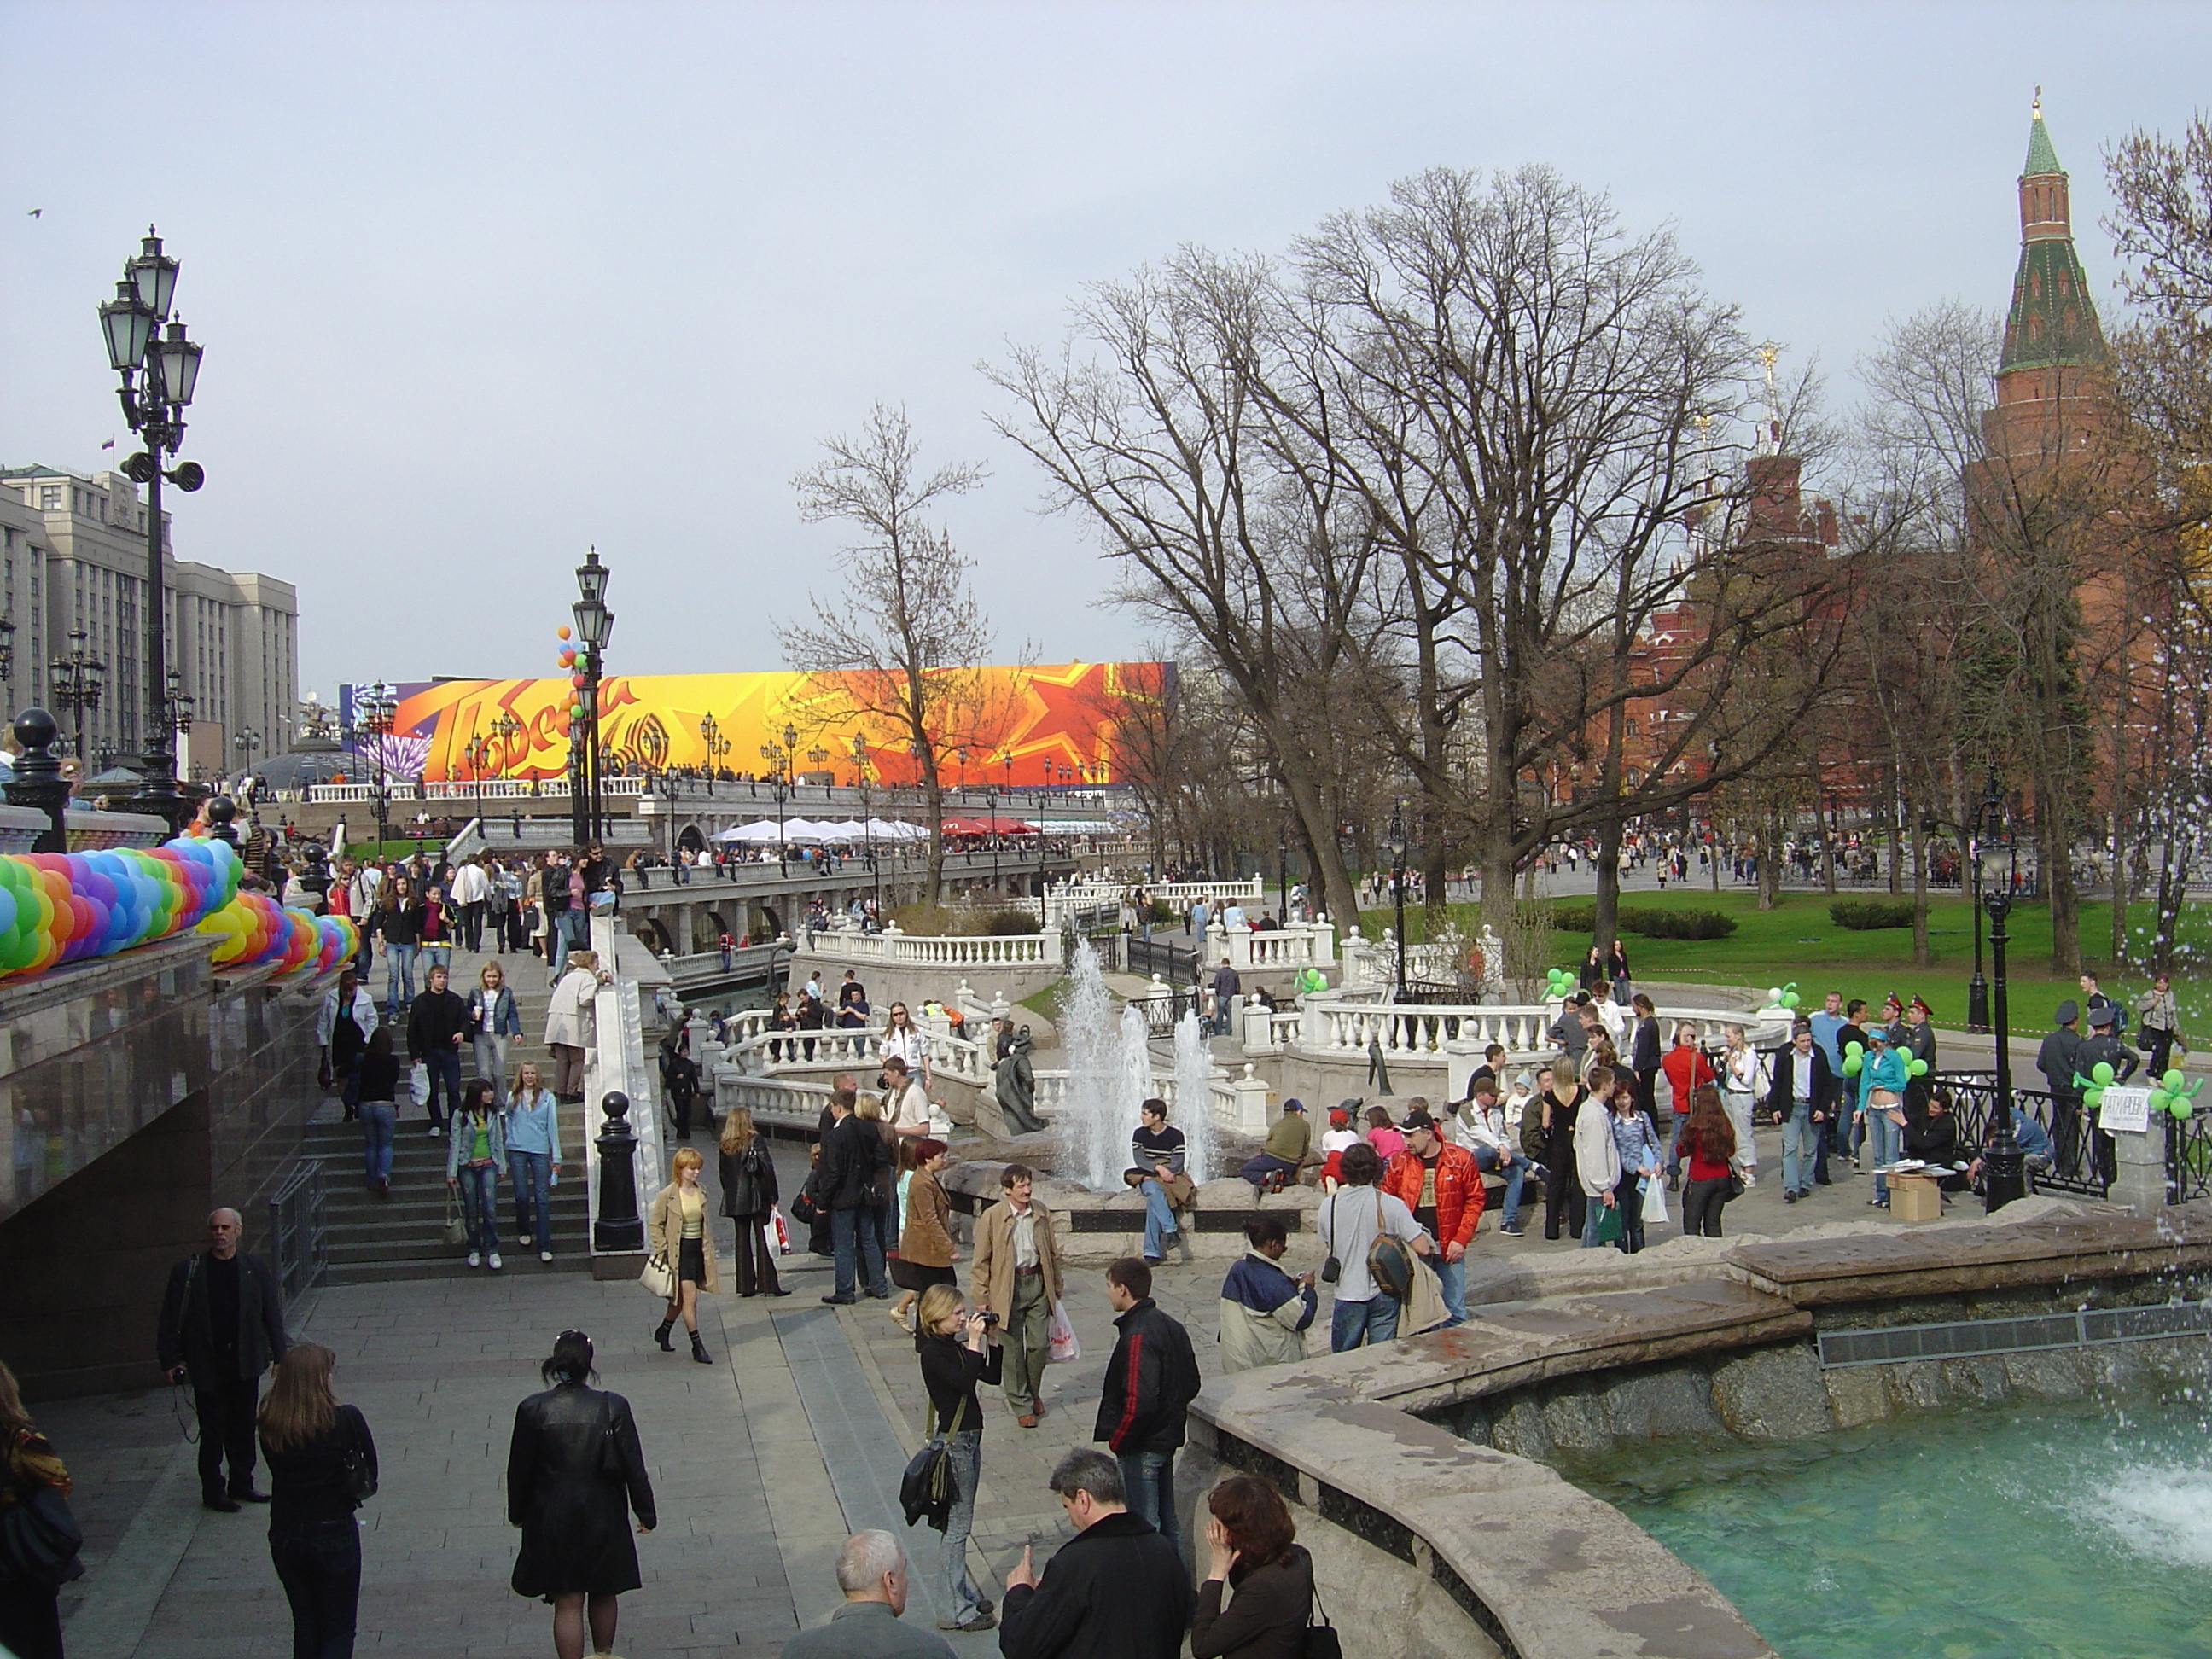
(1655, 1199)
(1060, 1335)
(457, 1231)
(778, 1235)
(1608, 1224)
(418, 1084)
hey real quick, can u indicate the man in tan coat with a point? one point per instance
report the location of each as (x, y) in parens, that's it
(1017, 1277)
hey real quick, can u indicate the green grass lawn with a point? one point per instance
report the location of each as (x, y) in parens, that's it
(1796, 941)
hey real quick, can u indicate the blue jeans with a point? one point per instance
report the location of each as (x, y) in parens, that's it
(1886, 1142)
(530, 1174)
(963, 1601)
(398, 976)
(571, 929)
(858, 1242)
(1257, 1169)
(1800, 1151)
(1451, 1281)
(1674, 1144)
(319, 1566)
(1516, 1167)
(378, 1119)
(479, 1185)
(439, 955)
(1159, 1215)
(1148, 1483)
(1355, 1324)
(444, 1068)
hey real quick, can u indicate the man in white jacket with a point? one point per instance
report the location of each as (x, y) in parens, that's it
(471, 890)
(1485, 1129)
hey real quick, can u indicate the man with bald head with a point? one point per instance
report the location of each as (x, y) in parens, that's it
(871, 1572)
(222, 1324)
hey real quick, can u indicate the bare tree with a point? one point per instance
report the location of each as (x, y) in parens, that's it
(899, 653)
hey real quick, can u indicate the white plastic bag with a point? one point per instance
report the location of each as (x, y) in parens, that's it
(777, 1235)
(418, 1084)
(1655, 1199)
(1060, 1335)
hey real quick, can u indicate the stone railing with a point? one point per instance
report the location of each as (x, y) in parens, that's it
(1336, 1025)
(767, 1053)
(1278, 949)
(1179, 893)
(940, 951)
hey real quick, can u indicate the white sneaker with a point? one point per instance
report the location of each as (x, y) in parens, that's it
(546, 1255)
(475, 1260)
(435, 1131)
(497, 1264)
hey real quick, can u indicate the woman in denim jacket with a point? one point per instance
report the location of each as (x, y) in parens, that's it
(475, 1155)
(532, 1127)
(493, 1021)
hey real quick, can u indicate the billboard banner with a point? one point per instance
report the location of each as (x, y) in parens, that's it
(1041, 725)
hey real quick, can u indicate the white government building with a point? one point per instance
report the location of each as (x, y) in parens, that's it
(74, 546)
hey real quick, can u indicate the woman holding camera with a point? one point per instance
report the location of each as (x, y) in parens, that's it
(959, 1349)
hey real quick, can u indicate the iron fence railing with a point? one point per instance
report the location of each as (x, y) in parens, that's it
(2081, 1160)
(297, 1245)
(1163, 1014)
(1176, 965)
(2188, 1159)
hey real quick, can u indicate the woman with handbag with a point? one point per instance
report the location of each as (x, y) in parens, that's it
(678, 1241)
(926, 1251)
(322, 1464)
(1708, 1144)
(1252, 1549)
(39, 1538)
(749, 1195)
(572, 1463)
(475, 1160)
(958, 1350)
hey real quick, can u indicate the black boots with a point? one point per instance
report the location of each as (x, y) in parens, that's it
(699, 1350)
(661, 1336)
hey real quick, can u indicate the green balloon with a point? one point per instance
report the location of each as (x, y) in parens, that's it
(1853, 1062)
(1851, 1050)
(2102, 1071)
(2173, 1079)
(2180, 1108)
(1918, 1069)
(2092, 1096)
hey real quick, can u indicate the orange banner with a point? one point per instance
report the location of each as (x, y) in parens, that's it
(1041, 724)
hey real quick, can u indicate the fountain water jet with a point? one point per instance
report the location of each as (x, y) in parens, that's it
(1194, 1075)
(1110, 1071)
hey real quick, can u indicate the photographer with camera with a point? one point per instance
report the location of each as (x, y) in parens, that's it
(959, 1348)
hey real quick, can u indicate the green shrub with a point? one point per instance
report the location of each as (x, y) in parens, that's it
(1575, 918)
(1677, 924)
(1863, 915)
(1163, 911)
(1004, 924)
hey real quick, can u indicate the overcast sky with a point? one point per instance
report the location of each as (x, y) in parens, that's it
(482, 284)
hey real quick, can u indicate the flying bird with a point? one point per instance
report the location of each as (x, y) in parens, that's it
(35, 212)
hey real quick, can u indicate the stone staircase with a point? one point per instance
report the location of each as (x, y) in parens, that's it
(403, 1236)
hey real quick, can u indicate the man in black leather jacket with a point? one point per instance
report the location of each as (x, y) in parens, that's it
(222, 1324)
(845, 1185)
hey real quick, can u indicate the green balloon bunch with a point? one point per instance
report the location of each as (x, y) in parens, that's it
(1854, 1059)
(1915, 1068)
(2175, 1095)
(2101, 1077)
(1559, 982)
(1783, 996)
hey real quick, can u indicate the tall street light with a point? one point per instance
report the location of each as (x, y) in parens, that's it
(717, 745)
(374, 710)
(2004, 1168)
(76, 686)
(180, 717)
(248, 741)
(779, 758)
(867, 813)
(160, 368)
(595, 625)
(1978, 988)
(1398, 887)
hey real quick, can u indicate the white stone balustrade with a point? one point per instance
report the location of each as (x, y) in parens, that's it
(1332, 1025)
(1182, 893)
(1276, 950)
(943, 950)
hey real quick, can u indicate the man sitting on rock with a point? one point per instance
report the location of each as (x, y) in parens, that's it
(1285, 1149)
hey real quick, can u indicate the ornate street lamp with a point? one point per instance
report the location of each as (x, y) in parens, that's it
(1398, 887)
(595, 625)
(180, 717)
(779, 757)
(160, 369)
(374, 712)
(2004, 1168)
(1978, 988)
(76, 686)
(867, 813)
(717, 745)
(248, 741)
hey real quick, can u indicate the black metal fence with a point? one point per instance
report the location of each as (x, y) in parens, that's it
(296, 1245)
(1162, 1014)
(2081, 1158)
(1174, 965)
(2188, 1159)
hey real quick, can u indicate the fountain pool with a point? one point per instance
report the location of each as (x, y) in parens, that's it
(2003, 1533)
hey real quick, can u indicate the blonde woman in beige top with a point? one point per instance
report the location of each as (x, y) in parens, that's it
(675, 1229)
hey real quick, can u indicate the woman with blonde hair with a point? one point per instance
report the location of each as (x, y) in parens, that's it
(959, 1349)
(493, 1020)
(322, 1463)
(675, 1231)
(532, 1127)
(30, 1607)
(749, 1195)
(568, 1015)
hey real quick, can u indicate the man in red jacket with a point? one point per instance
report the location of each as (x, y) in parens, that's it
(1441, 1185)
(1686, 1068)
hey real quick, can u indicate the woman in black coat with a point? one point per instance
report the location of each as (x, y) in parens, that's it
(1250, 1549)
(573, 1459)
(749, 1194)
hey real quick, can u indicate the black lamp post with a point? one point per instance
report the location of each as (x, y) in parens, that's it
(160, 368)
(779, 758)
(248, 741)
(595, 626)
(2004, 1168)
(1282, 872)
(1398, 884)
(1978, 988)
(717, 745)
(374, 711)
(76, 687)
(180, 714)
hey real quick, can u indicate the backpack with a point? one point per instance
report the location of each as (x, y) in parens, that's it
(1391, 1265)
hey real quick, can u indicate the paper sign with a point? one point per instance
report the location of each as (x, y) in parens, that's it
(2125, 1109)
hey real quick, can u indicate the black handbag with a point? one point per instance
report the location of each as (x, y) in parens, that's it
(39, 1538)
(1321, 1639)
(1331, 1268)
(926, 1489)
(612, 1465)
(359, 1478)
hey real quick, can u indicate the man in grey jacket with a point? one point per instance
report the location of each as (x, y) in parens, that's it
(872, 1572)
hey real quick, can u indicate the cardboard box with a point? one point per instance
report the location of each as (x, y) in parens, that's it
(1915, 1198)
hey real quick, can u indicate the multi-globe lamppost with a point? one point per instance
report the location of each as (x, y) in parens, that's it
(1398, 888)
(779, 757)
(160, 368)
(374, 710)
(76, 686)
(2004, 1165)
(595, 626)
(867, 813)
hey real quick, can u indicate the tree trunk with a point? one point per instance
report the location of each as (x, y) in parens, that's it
(2055, 845)
(1921, 956)
(1606, 912)
(1770, 859)
(2119, 867)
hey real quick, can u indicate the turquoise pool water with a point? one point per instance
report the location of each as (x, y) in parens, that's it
(1997, 1535)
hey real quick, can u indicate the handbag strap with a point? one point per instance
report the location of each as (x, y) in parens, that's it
(1319, 1605)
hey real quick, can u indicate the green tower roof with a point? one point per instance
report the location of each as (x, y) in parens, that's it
(2041, 157)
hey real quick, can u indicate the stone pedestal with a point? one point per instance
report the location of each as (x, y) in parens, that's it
(2141, 1182)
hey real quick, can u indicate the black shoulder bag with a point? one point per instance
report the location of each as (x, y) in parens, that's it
(1321, 1638)
(39, 1537)
(360, 1478)
(1331, 1268)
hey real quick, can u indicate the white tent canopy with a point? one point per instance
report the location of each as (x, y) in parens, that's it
(764, 834)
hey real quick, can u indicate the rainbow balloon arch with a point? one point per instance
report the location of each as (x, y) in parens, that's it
(57, 907)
